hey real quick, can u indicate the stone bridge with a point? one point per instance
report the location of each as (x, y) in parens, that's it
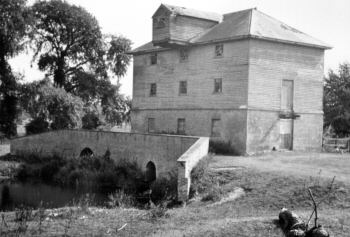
(160, 153)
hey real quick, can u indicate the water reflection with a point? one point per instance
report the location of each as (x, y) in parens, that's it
(16, 194)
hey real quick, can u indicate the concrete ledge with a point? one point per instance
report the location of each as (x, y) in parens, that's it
(186, 163)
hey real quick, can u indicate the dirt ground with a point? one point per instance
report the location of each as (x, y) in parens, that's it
(323, 165)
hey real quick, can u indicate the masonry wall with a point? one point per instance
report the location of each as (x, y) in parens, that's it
(197, 122)
(270, 63)
(163, 151)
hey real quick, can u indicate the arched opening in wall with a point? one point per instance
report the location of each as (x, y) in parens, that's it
(86, 152)
(150, 172)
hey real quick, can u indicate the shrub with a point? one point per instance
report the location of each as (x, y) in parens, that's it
(213, 194)
(158, 211)
(200, 178)
(120, 199)
(37, 125)
(222, 147)
(90, 121)
(164, 189)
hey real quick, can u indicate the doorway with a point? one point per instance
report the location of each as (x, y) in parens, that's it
(287, 123)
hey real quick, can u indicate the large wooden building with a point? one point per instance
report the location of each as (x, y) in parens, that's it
(243, 77)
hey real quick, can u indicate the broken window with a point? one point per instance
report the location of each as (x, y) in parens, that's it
(215, 127)
(151, 125)
(219, 50)
(183, 88)
(153, 89)
(183, 55)
(154, 58)
(181, 124)
(160, 22)
(217, 85)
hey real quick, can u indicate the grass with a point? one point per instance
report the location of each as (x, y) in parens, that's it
(251, 215)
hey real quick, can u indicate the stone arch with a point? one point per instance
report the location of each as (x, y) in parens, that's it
(151, 172)
(86, 152)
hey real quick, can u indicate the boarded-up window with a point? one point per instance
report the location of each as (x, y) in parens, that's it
(183, 55)
(151, 125)
(153, 89)
(217, 85)
(215, 127)
(181, 126)
(154, 58)
(219, 50)
(287, 95)
(183, 88)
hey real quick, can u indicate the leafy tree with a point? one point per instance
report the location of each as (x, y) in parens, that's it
(37, 125)
(14, 20)
(66, 38)
(91, 120)
(336, 101)
(70, 47)
(45, 102)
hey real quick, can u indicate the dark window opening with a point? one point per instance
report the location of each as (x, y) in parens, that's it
(151, 125)
(181, 126)
(183, 88)
(151, 174)
(219, 50)
(183, 55)
(153, 89)
(160, 22)
(86, 152)
(215, 127)
(154, 59)
(218, 85)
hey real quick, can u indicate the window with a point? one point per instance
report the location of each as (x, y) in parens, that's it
(215, 127)
(217, 85)
(151, 125)
(183, 88)
(183, 55)
(160, 22)
(154, 58)
(219, 50)
(181, 125)
(153, 89)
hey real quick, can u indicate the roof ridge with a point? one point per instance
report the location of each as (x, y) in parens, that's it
(250, 21)
(240, 11)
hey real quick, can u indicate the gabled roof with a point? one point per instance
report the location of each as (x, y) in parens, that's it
(250, 23)
(211, 16)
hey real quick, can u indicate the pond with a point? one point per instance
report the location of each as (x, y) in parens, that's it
(14, 194)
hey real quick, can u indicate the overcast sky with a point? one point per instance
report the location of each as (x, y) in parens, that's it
(326, 20)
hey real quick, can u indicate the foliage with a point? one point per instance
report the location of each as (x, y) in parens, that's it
(336, 100)
(222, 147)
(47, 103)
(203, 182)
(14, 20)
(116, 54)
(90, 121)
(214, 194)
(66, 37)
(164, 189)
(70, 47)
(37, 125)
(121, 199)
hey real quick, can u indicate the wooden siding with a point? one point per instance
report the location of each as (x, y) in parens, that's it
(270, 63)
(184, 28)
(161, 33)
(199, 71)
